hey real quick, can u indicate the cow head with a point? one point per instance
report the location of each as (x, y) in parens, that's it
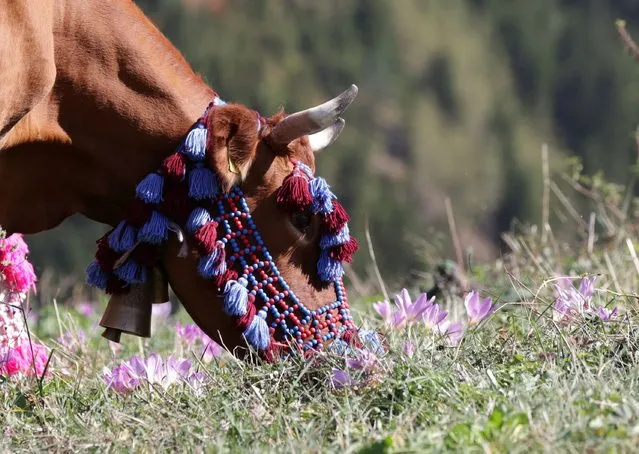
(259, 244)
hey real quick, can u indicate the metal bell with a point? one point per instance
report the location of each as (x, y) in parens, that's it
(131, 312)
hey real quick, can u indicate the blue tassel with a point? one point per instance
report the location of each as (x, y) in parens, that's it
(197, 218)
(329, 269)
(371, 341)
(202, 184)
(195, 144)
(206, 265)
(218, 102)
(236, 297)
(257, 333)
(150, 189)
(96, 276)
(329, 240)
(322, 196)
(131, 272)
(338, 346)
(156, 230)
(123, 237)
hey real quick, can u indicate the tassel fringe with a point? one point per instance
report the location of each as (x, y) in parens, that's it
(150, 188)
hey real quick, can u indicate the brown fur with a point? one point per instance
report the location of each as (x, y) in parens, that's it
(94, 98)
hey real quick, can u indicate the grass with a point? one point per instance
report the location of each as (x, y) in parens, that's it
(517, 382)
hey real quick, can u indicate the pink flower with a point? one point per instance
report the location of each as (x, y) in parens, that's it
(191, 333)
(405, 310)
(341, 379)
(606, 314)
(412, 311)
(129, 375)
(452, 330)
(570, 302)
(20, 360)
(409, 348)
(433, 316)
(364, 360)
(188, 333)
(85, 309)
(476, 308)
(16, 273)
(385, 311)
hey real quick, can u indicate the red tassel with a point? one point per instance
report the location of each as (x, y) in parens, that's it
(336, 220)
(272, 352)
(351, 337)
(174, 166)
(138, 213)
(106, 256)
(145, 254)
(294, 193)
(344, 252)
(220, 281)
(115, 285)
(206, 236)
(176, 202)
(244, 321)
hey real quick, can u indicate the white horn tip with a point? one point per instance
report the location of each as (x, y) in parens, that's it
(327, 136)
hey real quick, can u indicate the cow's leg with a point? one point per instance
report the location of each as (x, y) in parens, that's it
(27, 65)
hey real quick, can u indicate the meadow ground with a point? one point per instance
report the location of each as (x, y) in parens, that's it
(553, 368)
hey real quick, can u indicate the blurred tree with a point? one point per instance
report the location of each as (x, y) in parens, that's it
(456, 99)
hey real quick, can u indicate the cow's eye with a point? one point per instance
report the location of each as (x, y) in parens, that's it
(301, 220)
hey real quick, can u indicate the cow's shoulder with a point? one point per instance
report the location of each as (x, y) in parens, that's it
(27, 64)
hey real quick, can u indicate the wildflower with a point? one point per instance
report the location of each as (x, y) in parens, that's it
(20, 360)
(153, 370)
(409, 348)
(476, 308)
(341, 379)
(385, 311)
(191, 333)
(433, 316)
(188, 333)
(452, 330)
(85, 309)
(606, 314)
(364, 360)
(412, 311)
(569, 302)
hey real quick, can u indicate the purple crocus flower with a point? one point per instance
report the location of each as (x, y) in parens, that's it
(453, 330)
(341, 379)
(85, 309)
(130, 374)
(606, 314)
(188, 333)
(412, 311)
(385, 311)
(476, 308)
(409, 348)
(570, 302)
(433, 316)
(364, 360)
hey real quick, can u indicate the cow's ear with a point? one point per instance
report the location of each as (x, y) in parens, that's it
(232, 141)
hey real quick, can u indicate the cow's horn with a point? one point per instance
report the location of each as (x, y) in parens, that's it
(313, 120)
(326, 136)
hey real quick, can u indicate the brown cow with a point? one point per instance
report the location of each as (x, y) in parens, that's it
(93, 98)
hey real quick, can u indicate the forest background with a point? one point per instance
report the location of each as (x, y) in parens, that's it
(456, 100)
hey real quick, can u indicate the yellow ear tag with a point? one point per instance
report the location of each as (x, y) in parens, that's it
(232, 167)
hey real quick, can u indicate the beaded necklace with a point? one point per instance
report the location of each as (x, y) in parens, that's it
(184, 193)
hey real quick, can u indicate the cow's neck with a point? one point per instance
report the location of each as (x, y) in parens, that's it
(122, 100)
